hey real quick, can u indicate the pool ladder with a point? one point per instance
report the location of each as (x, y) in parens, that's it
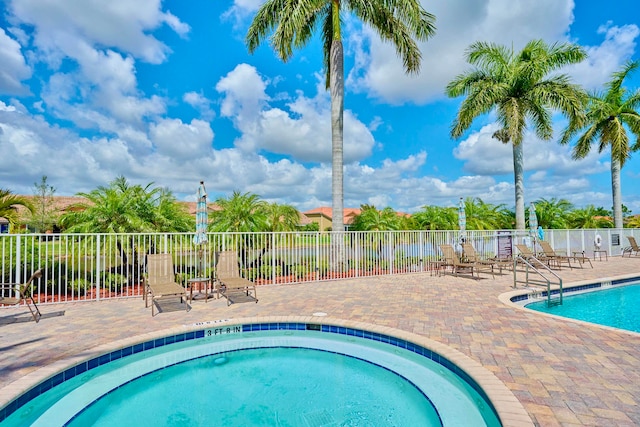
(537, 273)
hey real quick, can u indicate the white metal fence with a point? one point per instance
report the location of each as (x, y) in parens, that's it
(80, 267)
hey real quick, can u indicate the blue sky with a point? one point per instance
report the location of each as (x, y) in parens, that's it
(165, 92)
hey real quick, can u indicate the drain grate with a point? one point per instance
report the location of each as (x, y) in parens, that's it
(319, 419)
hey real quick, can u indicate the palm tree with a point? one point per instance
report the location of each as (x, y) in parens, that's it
(239, 213)
(372, 219)
(292, 23)
(436, 218)
(634, 222)
(169, 215)
(553, 213)
(281, 217)
(521, 90)
(607, 115)
(125, 208)
(484, 216)
(588, 217)
(9, 203)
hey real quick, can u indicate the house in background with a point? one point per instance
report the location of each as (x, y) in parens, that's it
(323, 215)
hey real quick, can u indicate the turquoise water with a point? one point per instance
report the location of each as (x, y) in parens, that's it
(273, 378)
(615, 307)
(266, 387)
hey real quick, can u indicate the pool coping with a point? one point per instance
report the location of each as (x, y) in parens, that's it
(507, 298)
(508, 408)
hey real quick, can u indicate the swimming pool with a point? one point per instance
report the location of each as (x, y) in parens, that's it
(439, 391)
(607, 304)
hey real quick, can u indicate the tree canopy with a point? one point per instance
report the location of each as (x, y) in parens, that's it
(124, 208)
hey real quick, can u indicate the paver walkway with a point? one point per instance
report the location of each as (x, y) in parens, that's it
(564, 373)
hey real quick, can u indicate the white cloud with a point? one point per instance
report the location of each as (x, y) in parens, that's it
(14, 68)
(459, 23)
(618, 46)
(485, 155)
(302, 130)
(245, 93)
(200, 103)
(182, 141)
(119, 23)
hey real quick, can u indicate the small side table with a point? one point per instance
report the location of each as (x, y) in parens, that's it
(599, 253)
(436, 267)
(199, 281)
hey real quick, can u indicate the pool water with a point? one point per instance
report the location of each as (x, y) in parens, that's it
(275, 378)
(616, 307)
(266, 387)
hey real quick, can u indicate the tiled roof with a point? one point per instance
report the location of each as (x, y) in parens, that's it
(326, 211)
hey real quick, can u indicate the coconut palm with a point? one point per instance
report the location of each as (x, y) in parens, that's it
(607, 115)
(9, 203)
(291, 24)
(519, 87)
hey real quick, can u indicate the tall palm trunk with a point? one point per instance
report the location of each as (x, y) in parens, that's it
(518, 177)
(336, 80)
(616, 192)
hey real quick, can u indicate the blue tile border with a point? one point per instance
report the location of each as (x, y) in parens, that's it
(95, 362)
(588, 286)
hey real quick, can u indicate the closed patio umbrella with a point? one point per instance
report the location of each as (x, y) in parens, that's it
(462, 220)
(533, 223)
(202, 221)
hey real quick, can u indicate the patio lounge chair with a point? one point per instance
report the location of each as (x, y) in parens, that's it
(451, 260)
(553, 256)
(470, 255)
(525, 252)
(160, 281)
(15, 293)
(633, 247)
(231, 284)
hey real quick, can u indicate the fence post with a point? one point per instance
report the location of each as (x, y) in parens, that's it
(98, 267)
(273, 258)
(318, 236)
(18, 259)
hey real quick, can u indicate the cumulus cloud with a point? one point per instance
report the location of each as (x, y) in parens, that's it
(459, 23)
(485, 155)
(200, 103)
(604, 59)
(92, 53)
(14, 68)
(180, 140)
(280, 144)
(119, 23)
(302, 129)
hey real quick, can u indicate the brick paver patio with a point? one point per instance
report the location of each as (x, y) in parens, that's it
(564, 373)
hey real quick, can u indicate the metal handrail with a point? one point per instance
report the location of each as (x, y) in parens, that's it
(532, 281)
